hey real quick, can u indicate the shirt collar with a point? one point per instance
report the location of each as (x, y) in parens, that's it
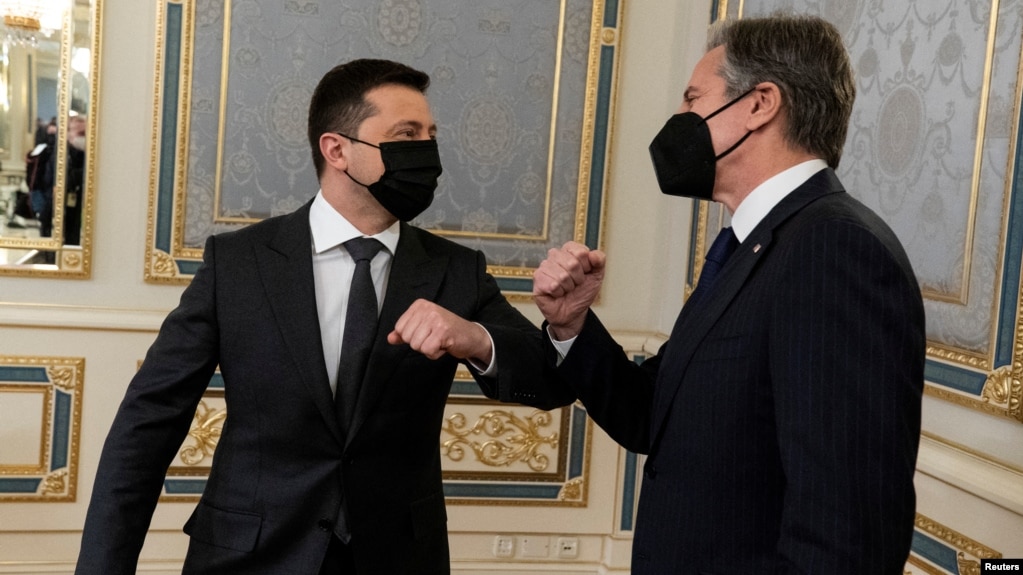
(764, 197)
(330, 229)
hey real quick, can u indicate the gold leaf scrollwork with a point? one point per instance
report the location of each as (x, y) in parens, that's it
(164, 265)
(55, 483)
(572, 490)
(206, 433)
(514, 439)
(62, 377)
(997, 387)
(967, 566)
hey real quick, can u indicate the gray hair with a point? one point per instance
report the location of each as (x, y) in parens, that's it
(805, 57)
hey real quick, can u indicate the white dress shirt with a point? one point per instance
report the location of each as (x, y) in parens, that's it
(333, 268)
(770, 193)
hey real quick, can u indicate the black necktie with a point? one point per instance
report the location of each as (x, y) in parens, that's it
(723, 247)
(360, 328)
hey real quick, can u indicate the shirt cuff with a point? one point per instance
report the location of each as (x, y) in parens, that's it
(562, 347)
(488, 370)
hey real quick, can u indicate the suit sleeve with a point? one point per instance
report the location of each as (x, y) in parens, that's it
(152, 421)
(617, 392)
(846, 359)
(522, 375)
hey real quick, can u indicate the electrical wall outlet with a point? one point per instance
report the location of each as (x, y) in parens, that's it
(504, 546)
(567, 547)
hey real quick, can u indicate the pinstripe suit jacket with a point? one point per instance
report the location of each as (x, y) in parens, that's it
(282, 461)
(782, 417)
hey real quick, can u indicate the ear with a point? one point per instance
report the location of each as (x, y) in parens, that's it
(335, 150)
(766, 105)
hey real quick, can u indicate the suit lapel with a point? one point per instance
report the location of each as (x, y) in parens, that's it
(693, 325)
(414, 274)
(286, 266)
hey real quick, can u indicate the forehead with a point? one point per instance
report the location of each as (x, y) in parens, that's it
(396, 103)
(705, 75)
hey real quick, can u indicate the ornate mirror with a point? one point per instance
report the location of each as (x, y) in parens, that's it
(49, 60)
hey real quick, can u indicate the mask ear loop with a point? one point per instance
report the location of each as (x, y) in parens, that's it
(712, 114)
(732, 149)
(722, 109)
(360, 141)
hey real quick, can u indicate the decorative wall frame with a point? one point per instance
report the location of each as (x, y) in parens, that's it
(941, 170)
(491, 453)
(519, 455)
(938, 550)
(40, 422)
(523, 95)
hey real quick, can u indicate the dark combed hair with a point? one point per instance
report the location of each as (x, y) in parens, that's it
(339, 101)
(805, 57)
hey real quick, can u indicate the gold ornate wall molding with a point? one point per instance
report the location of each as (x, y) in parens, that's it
(40, 419)
(501, 438)
(500, 454)
(940, 550)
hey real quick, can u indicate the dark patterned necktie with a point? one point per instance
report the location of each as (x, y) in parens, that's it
(723, 247)
(360, 328)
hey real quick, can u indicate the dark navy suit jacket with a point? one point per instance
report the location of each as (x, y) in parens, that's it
(782, 417)
(275, 485)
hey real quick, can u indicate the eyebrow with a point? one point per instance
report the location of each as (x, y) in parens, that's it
(411, 124)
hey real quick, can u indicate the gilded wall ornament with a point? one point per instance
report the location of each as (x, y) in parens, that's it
(205, 433)
(43, 397)
(967, 566)
(998, 386)
(513, 439)
(968, 551)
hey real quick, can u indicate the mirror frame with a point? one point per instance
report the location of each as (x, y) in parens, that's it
(72, 262)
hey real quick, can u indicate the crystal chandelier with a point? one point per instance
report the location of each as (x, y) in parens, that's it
(26, 20)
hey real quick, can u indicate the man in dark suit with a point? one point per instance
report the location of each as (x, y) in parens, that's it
(781, 419)
(307, 480)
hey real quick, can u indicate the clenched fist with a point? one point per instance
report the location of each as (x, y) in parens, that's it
(434, 331)
(566, 284)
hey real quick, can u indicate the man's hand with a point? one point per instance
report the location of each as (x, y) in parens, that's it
(565, 285)
(433, 331)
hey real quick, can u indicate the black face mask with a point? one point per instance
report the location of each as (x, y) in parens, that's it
(410, 176)
(683, 154)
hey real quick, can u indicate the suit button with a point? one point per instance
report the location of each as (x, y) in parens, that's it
(325, 524)
(650, 472)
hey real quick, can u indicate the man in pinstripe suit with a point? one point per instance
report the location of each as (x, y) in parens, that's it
(781, 419)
